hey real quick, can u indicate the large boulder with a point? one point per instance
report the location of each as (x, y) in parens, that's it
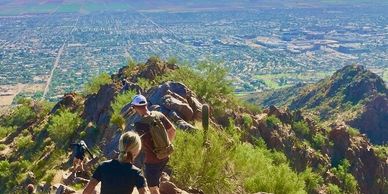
(175, 96)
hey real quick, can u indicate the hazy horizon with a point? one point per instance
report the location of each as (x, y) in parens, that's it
(20, 7)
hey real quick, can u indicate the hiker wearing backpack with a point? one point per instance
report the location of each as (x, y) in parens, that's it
(120, 176)
(79, 155)
(157, 133)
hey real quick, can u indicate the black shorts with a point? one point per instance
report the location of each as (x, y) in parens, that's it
(152, 173)
(79, 156)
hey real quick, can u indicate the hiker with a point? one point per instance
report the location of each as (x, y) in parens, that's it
(157, 133)
(120, 176)
(79, 155)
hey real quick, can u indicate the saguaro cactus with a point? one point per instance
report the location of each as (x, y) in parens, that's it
(205, 122)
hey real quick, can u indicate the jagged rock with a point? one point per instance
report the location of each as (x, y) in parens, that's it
(167, 187)
(366, 166)
(68, 100)
(127, 85)
(155, 67)
(284, 116)
(180, 123)
(97, 106)
(280, 138)
(63, 189)
(373, 120)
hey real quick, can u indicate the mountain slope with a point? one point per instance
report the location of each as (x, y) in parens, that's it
(353, 95)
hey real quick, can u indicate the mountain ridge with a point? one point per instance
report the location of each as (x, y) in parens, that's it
(333, 159)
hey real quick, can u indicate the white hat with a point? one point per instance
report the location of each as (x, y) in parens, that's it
(139, 100)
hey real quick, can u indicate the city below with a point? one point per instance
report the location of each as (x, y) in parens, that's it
(47, 55)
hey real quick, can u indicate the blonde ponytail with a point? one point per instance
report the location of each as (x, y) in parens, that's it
(129, 146)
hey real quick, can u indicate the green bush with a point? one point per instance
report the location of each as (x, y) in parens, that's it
(312, 180)
(145, 84)
(24, 142)
(254, 167)
(5, 131)
(301, 128)
(352, 131)
(381, 151)
(172, 60)
(193, 165)
(333, 189)
(20, 116)
(247, 121)
(319, 140)
(209, 81)
(225, 165)
(348, 182)
(273, 121)
(119, 102)
(93, 86)
(63, 125)
(12, 174)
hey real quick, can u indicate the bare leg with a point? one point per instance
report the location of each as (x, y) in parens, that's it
(154, 190)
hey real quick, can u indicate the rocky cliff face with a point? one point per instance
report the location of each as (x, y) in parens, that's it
(369, 170)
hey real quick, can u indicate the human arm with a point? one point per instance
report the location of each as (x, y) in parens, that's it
(90, 186)
(170, 128)
(90, 153)
(141, 183)
(171, 133)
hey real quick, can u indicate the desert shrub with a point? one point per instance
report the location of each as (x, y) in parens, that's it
(333, 189)
(145, 84)
(209, 81)
(226, 165)
(381, 151)
(119, 102)
(247, 121)
(352, 131)
(172, 60)
(12, 174)
(63, 125)
(24, 142)
(20, 116)
(348, 182)
(5, 131)
(318, 141)
(253, 167)
(312, 180)
(5, 174)
(93, 86)
(301, 128)
(253, 108)
(272, 121)
(200, 167)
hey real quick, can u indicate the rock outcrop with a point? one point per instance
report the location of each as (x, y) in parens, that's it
(373, 121)
(369, 170)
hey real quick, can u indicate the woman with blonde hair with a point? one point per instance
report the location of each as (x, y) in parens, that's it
(120, 176)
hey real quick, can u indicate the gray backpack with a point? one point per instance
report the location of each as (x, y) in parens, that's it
(162, 145)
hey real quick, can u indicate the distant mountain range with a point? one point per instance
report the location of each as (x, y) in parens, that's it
(8, 7)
